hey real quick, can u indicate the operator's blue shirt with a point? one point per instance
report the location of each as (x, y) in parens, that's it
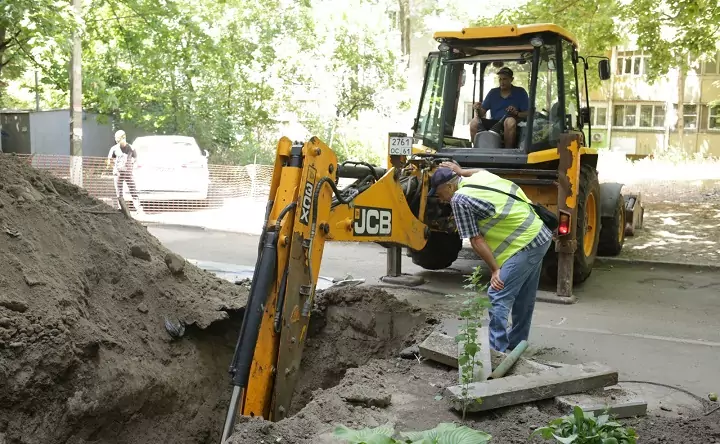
(496, 103)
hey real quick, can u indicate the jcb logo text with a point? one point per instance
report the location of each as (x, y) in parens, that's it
(372, 221)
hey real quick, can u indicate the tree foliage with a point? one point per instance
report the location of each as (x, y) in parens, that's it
(226, 72)
(675, 33)
(35, 33)
(593, 23)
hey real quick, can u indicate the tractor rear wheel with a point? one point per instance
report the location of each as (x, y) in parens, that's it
(440, 251)
(612, 233)
(587, 230)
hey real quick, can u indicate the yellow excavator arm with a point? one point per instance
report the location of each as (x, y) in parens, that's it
(305, 209)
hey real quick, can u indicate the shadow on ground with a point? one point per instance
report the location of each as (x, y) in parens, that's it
(677, 232)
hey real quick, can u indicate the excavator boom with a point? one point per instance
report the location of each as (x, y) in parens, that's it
(304, 210)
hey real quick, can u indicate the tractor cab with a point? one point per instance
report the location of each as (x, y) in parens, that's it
(543, 66)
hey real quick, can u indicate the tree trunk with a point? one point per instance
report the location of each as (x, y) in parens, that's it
(404, 21)
(680, 112)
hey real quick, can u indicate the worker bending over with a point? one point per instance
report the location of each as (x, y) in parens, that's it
(507, 235)
(506, 100)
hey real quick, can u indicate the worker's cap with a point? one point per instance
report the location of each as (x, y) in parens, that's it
(119, 135)
(440, 176)
(506, 71)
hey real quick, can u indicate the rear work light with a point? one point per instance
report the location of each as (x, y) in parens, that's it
(564, 223)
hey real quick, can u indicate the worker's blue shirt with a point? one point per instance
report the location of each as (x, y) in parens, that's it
(497, 104)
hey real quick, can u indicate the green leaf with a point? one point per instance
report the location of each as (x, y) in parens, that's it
(609, 441)
(378, 435)
(570, 439)
(448, 433)
(431, 434)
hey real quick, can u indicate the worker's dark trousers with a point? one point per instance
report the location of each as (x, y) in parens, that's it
(120, 179)
(521, 276)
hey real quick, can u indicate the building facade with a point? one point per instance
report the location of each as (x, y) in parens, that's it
(639, 118)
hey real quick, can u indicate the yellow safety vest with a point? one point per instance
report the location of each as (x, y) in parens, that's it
(514, 225)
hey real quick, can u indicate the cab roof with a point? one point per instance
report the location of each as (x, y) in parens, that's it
(494, 32)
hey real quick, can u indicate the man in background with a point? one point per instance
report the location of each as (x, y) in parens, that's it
(124, 156)
(506, 100)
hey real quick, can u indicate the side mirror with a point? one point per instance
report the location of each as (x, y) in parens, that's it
(584, 116)
(205, 152)
(604, 69)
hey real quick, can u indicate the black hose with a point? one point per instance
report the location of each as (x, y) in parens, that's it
(371, 167)
(283, 213)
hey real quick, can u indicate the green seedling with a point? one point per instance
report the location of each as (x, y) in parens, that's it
(584, 428)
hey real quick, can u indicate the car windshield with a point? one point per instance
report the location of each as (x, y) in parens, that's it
(168, 148)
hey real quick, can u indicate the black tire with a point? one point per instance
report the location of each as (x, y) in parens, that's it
(583, 262)
(440, 251)
(612, 233)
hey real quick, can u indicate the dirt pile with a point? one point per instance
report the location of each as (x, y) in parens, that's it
(104, 335)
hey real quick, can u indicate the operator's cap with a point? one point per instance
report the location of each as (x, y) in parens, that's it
(505, 70)
(440, 177)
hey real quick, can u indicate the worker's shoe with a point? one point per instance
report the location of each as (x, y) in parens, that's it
(138, 207)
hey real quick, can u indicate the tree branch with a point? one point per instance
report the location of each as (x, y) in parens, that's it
(6, 43)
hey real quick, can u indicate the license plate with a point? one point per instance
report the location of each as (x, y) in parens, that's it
(400, 146)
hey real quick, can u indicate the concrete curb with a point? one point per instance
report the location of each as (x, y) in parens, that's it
(467, 253)
(657, 263)
(195, 227)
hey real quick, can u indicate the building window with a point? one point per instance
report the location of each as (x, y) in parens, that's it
(714, 117)
(631, 64)
(468, 113)
(598, 115)
(636, 115)
(652, 116)
(690, 116)
(625, 115)
(712, 66)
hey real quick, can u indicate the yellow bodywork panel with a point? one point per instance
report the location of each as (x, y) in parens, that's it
(573, 174)
(489, 32)
(379, 214)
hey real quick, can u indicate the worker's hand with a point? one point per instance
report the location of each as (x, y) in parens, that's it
(452, 166)
(511, 111)
(495, 282)
(477, 105)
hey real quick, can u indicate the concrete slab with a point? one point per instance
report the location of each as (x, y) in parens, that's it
(617, 401)
(440, 348)
(520, 389)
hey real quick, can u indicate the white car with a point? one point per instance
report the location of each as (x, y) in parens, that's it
(170, 168)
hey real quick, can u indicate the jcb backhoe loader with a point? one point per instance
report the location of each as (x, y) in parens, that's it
(390, 206)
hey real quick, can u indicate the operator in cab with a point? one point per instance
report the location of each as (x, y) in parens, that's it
(506, 100)
(507, 235)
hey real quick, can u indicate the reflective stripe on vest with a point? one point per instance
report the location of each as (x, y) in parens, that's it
(514, 225)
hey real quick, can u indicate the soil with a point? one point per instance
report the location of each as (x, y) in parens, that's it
(351, 377)
(105, 336)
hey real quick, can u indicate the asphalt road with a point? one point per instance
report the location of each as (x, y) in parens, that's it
(651, 323)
